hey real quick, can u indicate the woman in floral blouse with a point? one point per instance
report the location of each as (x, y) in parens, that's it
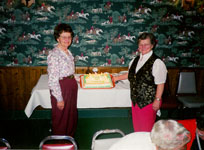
(62, 84)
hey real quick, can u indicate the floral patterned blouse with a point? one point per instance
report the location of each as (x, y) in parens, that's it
(59, 65)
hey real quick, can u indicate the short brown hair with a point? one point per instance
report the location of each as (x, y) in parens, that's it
(62, 28)
(146, 35)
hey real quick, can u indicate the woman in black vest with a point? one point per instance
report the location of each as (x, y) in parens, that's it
(147, 76)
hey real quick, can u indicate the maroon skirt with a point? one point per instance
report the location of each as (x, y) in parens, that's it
(64, 122)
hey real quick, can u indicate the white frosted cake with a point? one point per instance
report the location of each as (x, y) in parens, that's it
(102, 80)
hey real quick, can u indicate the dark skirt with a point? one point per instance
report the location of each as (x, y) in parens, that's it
(64, 122)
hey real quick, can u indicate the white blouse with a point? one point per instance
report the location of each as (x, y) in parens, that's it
(134, 141)
(159, 70)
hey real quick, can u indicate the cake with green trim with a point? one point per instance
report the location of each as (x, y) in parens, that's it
(92, 81)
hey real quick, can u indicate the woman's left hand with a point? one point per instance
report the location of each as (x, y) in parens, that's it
(156, 105)
(77, 78)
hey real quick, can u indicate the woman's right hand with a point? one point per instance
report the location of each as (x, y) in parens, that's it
(113, 79)
(60, 105)
(120, 77)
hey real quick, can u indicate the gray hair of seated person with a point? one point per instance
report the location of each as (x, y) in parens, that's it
(169, 134)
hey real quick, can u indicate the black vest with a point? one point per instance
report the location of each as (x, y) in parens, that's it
(142, 86)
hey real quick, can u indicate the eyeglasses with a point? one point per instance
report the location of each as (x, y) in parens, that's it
(144, 45)
(65, 37)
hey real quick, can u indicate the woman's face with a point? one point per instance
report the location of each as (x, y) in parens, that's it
(145, 46)
(65, 39)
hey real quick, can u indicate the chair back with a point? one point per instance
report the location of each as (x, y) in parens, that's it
(198, 142)
(68, 143)
(102, 144)
(6, 143)
(187, 83)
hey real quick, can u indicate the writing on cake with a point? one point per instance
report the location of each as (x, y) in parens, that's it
(102, 80)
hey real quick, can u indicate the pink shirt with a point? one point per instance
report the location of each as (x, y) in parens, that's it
(59, 65)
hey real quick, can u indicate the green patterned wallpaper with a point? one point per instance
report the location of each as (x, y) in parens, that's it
(105, 30)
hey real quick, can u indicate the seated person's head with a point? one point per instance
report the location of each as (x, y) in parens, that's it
(200, 123)
(169, 135)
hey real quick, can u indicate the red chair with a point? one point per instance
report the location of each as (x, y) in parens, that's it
(59, 142)
(190, 125)
(6, 143)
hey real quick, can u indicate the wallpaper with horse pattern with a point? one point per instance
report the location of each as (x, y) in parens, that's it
(106, 31)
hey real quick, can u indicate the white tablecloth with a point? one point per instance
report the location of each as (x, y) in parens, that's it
(119, 96)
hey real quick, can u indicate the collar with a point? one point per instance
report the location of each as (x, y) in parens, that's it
(146, 56)
(59, 49)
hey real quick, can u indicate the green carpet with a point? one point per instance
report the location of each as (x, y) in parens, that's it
(26, 133)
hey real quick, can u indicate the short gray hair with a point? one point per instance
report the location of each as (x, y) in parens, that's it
(169, 134)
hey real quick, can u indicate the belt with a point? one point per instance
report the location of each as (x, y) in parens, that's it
(69, 77)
